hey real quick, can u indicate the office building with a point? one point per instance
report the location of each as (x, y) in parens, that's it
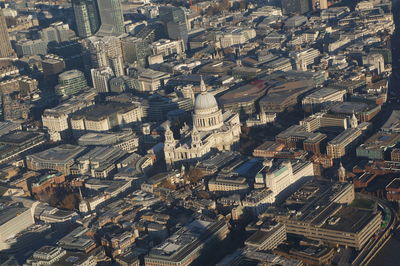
(86, 17)
(56, 120)
(135, 50)
(111, 17)
(52, 65)
(224, 184)
(168, 47)
(236, 36)
(49, 255)
(317, 211)
(152, 80)
(116, 63)
(15, 217)
(77, 240)
(99, 162)
(5, 44)
(268, 237)
(104, 117)
(95, 52)
(30, 47)
(57, 32)
(379, 146)
(125, 140)
(59, 158)
(71, 82)
(187, 244)
(303, 59)
(317, 99)
(284, 177)
(297, 137)
(295, 6)
(395, 45)
(17, 142)
(341, 144)
(320, 120)
(175, 22)
(101, 78)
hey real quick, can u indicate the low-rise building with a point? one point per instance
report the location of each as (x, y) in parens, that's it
(59, 158)
(187, 244)
(49, 255)
(99, 162)
(378, 146)
(267, 238)
(340, 145)
(314, 101)
(126, 140)
(16, 143)
(77, 240)
(231, 184)
(56, 120)
(104, 117)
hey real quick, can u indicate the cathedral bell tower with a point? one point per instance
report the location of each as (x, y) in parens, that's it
(196, 139)
(169, 137)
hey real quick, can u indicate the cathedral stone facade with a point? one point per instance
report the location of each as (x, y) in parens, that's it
(212, 129)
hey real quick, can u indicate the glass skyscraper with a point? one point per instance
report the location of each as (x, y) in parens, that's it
(111, 17)
(395, 80)
(174, 19)
(5, 44)
(86, 17)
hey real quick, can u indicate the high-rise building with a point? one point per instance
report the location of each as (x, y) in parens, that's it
(117, 65)
(5, 44)
(395, 80)
(71, 82)
(296, 6)
(135, 50)
(101, 78)
(111, 17)
(86, 17)
(31, 47)
(175, 22)
(100, 50)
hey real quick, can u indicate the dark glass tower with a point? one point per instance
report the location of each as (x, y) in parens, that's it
(395, 80)
(175, 22)
(296, 6)
(86, 17)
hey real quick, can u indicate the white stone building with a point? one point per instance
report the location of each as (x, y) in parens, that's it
(212, 129)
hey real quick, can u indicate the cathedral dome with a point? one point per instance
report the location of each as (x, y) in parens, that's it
(205, 101)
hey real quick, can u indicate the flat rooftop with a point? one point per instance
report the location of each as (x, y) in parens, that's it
(18, 137)
(381, 140)
(350, 220)
(101, 111)
(60, 153)
(344, 135)
(324, 92)
(393, 123)
(10, 213)
(349, 107)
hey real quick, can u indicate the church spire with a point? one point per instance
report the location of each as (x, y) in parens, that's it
(342, 173)
(353, 121)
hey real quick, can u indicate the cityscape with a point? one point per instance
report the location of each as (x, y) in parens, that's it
(199, 132)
